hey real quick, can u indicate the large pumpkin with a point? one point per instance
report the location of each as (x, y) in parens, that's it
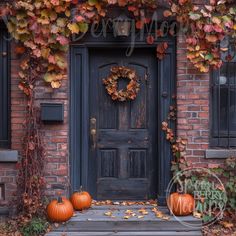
(60, 210)
(181, 204)
(81, 200)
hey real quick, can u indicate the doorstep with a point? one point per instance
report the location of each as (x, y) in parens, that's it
(95, 222)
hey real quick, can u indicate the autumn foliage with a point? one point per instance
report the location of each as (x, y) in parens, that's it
(205, 27)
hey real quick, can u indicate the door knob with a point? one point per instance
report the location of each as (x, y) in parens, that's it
(93, 132)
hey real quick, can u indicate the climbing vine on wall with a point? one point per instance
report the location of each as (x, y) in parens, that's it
(45, 28)
(205, 27)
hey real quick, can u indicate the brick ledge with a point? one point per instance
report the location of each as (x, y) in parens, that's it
(220, 153)
(4, 211)
(8, 155)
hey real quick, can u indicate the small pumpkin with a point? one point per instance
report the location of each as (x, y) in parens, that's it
(60, 210)
(181, 204)
(81, 200)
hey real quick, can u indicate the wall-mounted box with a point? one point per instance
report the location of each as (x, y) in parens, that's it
(2, 191)
(52, 112)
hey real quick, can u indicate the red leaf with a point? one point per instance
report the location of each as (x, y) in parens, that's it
(62, 39)
(208, 28)
(132, 8)
(167, 13)
(150, 39)
(139, 24)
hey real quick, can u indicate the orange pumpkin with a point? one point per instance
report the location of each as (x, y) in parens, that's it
(81, 200)
(60, 210)
(181, 204)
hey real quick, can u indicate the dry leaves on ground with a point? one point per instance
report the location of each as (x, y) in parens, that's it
(124, 203)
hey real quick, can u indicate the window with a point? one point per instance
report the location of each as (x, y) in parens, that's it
(223, 101)
(4, 90)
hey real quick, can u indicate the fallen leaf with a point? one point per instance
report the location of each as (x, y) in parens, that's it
(226, 224)
(166, 218)
(197, 215)
(109, 213)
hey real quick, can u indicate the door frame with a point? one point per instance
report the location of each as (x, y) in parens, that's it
(79, 107)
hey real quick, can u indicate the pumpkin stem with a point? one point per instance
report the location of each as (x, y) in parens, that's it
(81, 189)
(59, 199)
(180, 187)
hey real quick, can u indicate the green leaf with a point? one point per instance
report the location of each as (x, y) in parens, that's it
(49, 77)
(232, 10)
(194, 16)
(92, 2)
(83, 27)
(209, 57)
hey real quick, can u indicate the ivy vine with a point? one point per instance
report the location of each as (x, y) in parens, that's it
(45, 28)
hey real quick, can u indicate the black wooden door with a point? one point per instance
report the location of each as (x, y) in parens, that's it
(123, 153)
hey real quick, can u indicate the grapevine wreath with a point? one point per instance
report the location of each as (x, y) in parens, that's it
(111, 83)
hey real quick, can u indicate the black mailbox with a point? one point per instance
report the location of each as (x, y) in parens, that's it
(52, 112)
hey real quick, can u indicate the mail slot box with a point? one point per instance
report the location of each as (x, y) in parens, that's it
(52, 112)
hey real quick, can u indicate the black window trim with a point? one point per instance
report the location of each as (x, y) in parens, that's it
(223, 140)
(6, 144)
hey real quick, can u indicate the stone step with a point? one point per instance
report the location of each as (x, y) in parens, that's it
(95, 222)
(165, 233)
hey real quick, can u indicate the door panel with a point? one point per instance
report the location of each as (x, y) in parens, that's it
(123, 155)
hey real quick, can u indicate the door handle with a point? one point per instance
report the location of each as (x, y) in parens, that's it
(93, 132)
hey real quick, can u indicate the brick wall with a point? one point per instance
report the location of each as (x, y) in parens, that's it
(55, 136)
(56, 139)
(8, 170)
(192, 104)
(193, 101)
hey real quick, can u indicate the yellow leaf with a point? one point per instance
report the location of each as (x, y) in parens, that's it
(166, 218)
(226, 224)
(197, 215)
(73, 27)
(56, 84)
(67, 13)
(109, 213)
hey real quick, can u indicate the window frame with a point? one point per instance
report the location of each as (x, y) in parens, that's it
(222, 140)
(6, 143)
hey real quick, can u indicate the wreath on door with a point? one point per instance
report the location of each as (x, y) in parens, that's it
(111, 84)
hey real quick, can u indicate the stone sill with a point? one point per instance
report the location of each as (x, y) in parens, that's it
(220, 153)
(4, 211)
(8, 155)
